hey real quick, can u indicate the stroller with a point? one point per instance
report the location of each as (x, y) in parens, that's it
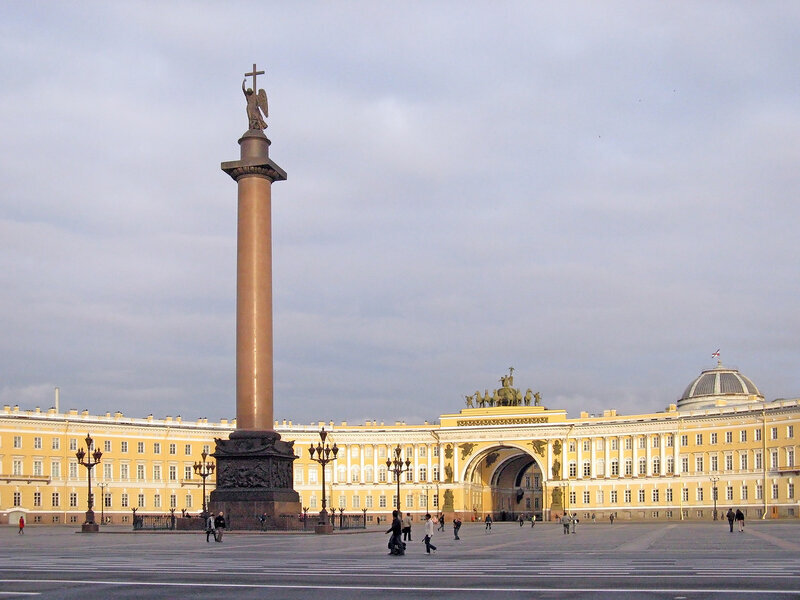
(397, 547)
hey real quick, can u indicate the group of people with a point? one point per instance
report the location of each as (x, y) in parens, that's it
(737, 516)
(400, 528)
(568, 521)
(215, 526)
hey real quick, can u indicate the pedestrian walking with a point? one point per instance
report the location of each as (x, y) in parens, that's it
(611, 518)
(429, 534)
(210, 527)
(594, 518)
(219, 527)
(521, 520)
(574, 521)
(441, 522)
(488, 523)
(740, 519)
(407, 527)
(456, 527)
(22, 525)
(731, 518)
(533, 520)
(396, 545)
(565, 521)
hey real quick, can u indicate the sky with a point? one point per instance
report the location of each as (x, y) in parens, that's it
(599, 194)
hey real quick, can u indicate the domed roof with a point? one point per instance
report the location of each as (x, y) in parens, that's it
(719, 386)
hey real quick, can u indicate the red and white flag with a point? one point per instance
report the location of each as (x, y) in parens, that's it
(716, 354)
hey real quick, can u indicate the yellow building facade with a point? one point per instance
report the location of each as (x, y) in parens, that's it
(505, 456)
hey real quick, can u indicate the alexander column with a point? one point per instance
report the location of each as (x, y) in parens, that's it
(254, 467)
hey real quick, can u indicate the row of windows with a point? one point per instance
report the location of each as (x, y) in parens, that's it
(355, 474)
(107, 472)
(172, 448)
(108, 500)
(655, 440)
(699, 494)
(411, 501)
(699, 464)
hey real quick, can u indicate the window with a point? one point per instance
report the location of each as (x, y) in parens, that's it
(627, 496)
(173, 501)
(355, 474)
(728, 437)
(206, 448)
(744, 492)
(37, 498)
(436, 473)
(743, 435)
(642, 443)
(729, 492)
(107, 446)
(56, 444)
(599, 444)
(668, 495)
(73, 470)
(698, 439)
(107, 499)
(587, 468)
(573, 469)
(157, 472)
(656, 466)
(600, 497)
(743, 461)
(55, 470)
(37, 468)
(73, 499)
(55, 499)
(729, 462)
(124, 500)
(773, 457)
(643, 466)
(698, 461)
(790, 491)
(423, 473)
(156, 447)
(670, 465)
(187, 449)
(409, 500)
(436, 451)
(572, 446)
(173, 473)
(628, 443)
(656, 441)
(140, 472)
(586, 497)
(37, 443)
(790, 431)
(141, 500)
(684, 440)
(614, 443)
(759, 492)
(615, 467)
(713, 438)
(123, 472)
(685, 494)
(641, 496)
(587, 445)
(758, 435)
(774, 433)
(655, 495)
(613, 496)
(573, 497)
(790, 457)
(157, 500)
(628, 467)
(774, 491)
(356, 502)
(17, 499)
(173, 448)
(714, 462)
(759, 462)
(123, 447)
(16, 467)
(108, 471)
(17, 441)
(382, 474)
(140, 447)
(73, 444)
(187, 473)
(669, 440)
(435, 501)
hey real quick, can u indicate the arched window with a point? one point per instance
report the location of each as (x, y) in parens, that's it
(423, 473)
(587, 468)
(382, 474)
(355, 474)
(368, 474)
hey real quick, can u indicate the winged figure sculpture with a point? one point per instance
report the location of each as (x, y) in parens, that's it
(256, 107)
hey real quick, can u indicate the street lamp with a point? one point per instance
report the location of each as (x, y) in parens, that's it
(204, 469)
(427, 489)
(325, 453)
(103, 487)
(714, 479)
(398, 466)
(92, 459)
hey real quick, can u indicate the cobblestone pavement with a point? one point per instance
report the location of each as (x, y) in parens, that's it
(625, 560)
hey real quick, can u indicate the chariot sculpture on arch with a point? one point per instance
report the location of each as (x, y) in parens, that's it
(256, 102)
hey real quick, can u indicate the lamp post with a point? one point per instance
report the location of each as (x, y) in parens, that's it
(92, 459)
(325, 453)
(714, 479)
(103, 487)
(427, 489)
(204, 469)
(397, 466)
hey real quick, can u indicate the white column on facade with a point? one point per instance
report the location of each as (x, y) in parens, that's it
(429, 451)
(621, 454)
(361, 463)
(648, 454)
(579, 456)
(663, 454)
(564, 470)
(592, 456)
(607, 456)
(374, 463)
(347, 462)
(676, 452)
(455, 463)
(634, 455)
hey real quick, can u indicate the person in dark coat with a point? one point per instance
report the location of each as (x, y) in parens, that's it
(456, 527)
(219, 527)
(731, 518)
(396, 529)
(740, 519)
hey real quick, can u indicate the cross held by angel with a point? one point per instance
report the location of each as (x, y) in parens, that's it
(256, 102)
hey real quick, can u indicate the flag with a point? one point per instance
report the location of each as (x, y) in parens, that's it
(716, 354)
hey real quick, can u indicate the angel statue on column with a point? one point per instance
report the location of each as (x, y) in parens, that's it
(256, 104)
